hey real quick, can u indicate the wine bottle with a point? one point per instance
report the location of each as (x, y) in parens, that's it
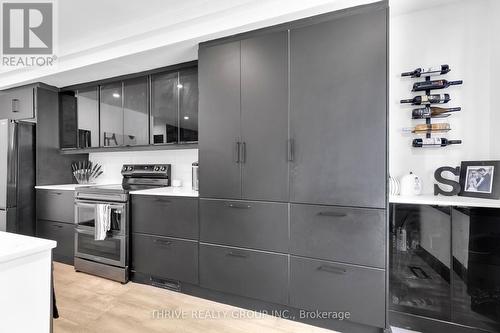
(432, 112)
(435, 84)
(428, 72)
(427, 128)
(434, 142)
(431, 99)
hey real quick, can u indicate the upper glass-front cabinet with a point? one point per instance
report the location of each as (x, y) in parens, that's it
(111, 115)
(164, 108)
(151, 109)
(174, 107)
(135, 112)
(88, 117)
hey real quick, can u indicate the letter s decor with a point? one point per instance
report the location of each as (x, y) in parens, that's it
(440, 179)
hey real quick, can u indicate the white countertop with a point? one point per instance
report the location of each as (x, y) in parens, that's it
(14, 246)
(440, 200)
(62, 187)
(169, 191)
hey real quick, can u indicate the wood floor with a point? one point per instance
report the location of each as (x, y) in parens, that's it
(90, 304)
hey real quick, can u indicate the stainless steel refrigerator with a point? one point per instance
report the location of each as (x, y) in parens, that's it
(17, 177)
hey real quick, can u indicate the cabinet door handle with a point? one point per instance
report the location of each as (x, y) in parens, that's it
(290, 147)
(162, 242)
(332, 214)
(57, 226)
(237, 149)
(15, 105)
(243, 152)
(237, 255)
(238, 206)
(332, 269)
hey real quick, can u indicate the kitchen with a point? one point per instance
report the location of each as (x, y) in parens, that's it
(228, 170)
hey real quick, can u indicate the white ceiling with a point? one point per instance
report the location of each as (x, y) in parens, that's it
(98, 39)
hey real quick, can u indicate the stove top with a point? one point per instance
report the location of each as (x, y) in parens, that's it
(115, 188)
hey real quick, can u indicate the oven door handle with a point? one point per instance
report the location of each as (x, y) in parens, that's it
(93, 204)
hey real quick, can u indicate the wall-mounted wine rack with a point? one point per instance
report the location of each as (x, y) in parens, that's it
(428, 112)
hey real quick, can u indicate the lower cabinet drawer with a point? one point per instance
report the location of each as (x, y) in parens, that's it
(248, 224)
(63, 234)
(248, 273)
(165, 257)
(350, 235)
(55, 205)
(327, 286)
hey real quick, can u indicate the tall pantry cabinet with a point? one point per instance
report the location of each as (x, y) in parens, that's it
(293, 150)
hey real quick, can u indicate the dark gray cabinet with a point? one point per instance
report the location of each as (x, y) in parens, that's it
(55, 205)
(164, 257)
(341, 234)
(88, 116)
(17, 103)
(250, 224)
(219, 120)
(165, 216)
(326, 286)
(244, 119)
(248, 273)
(338, 111)
(63, 234)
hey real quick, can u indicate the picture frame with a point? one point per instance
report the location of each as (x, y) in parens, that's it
(480, 179)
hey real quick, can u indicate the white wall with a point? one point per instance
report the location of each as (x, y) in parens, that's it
(458, 33)
(112, 163)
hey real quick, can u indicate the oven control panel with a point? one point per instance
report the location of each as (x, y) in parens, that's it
(131, 170)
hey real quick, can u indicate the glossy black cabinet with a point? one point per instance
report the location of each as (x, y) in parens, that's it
(111, 114)
(444, 265)
(338, 111)
(156, 108)
(135, 112)
(17, 103)
(174, 106)
(165, 216)
(88, 116)
(63, 234)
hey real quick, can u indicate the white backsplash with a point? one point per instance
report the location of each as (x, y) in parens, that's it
(112, 163)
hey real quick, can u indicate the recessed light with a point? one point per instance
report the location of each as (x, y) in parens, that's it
(186, 117)
(179, 86)
(116, 95)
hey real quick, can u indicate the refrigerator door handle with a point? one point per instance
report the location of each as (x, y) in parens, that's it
(8, 163)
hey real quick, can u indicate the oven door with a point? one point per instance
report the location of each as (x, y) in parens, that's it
(111, 251)
(85, 214)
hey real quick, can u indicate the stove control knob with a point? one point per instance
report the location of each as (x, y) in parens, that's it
(157, 168)
(124, 169)
(163, 168)
(130, 168)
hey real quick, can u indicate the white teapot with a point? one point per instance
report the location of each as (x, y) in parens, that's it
(411, 184)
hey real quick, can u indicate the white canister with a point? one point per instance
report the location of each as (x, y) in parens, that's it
(394, 186)
(411, 184)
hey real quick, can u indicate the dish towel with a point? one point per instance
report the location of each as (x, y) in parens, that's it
(102, 221)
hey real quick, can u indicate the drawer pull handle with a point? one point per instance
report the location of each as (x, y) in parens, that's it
(57, 226)
(238, 206)
(237, 255)
(163, 242)
(55, 193)
(163, 200)
(331, 269)
(332, 214)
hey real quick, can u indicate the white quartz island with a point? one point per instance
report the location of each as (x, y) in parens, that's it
(25, 283)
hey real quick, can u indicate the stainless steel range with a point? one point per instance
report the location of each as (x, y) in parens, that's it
(109, 258)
